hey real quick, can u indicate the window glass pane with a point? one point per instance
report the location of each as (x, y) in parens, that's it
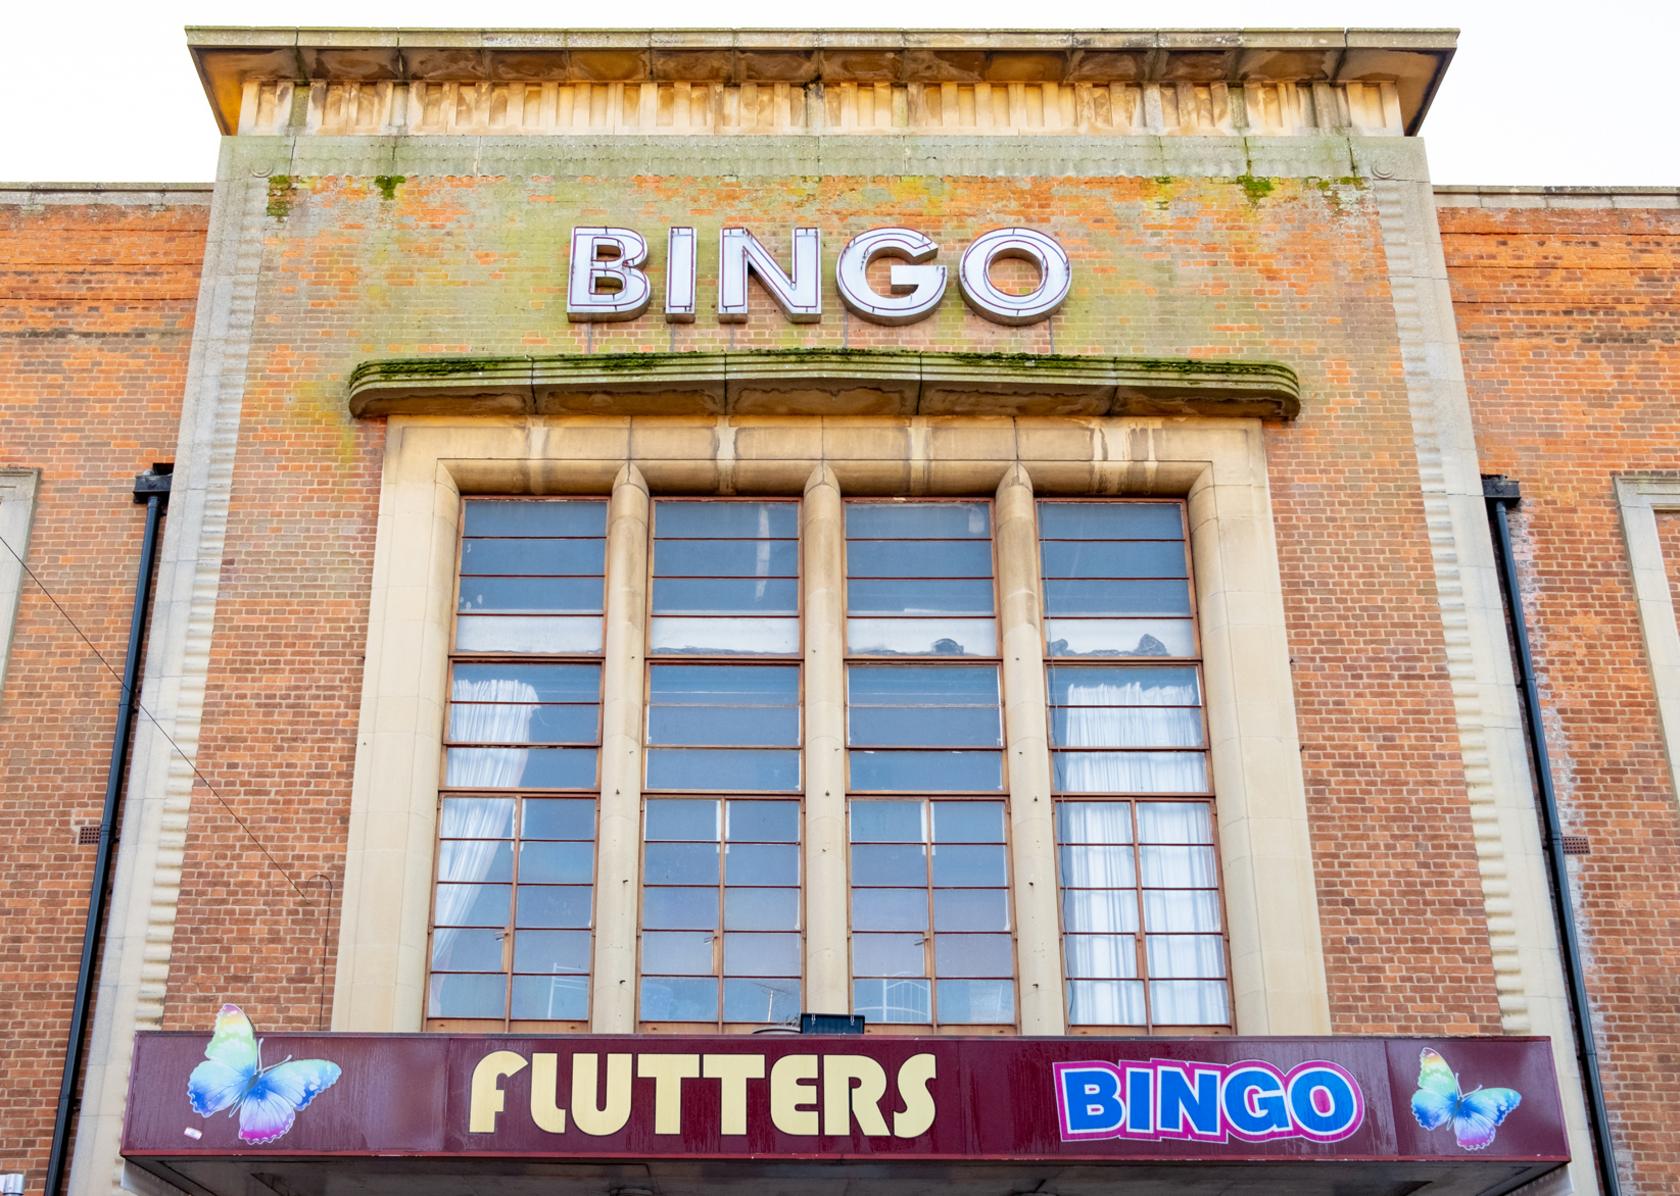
(677, 519)
(558, 818)
(1099, 911)
(1136, 726)
(680, 909)
(889, 955)
(544, 558)
(557, 863)
(761, 954)
(918, 558)
(764, 821)
(761, 864)
(968, 821)
(922, 637)
(1190, 1002)
(1094, 822)
(973, 955)
(887, 821)
(881, 864)
(1120, 637)
(766, 726)
(565, 517)
(921, 726)
(976, 1002)
(726, 596)
(734, 637)
(889, 909)
(679, 999)
(680, 818)
(466, 995)
(1188, 955)
(458, 950)
(726, 558)
(901, 685)
(527, 633)
(525, 768)
(1130, 772)
(1179, 867)
(915, 520)
(476, 818)
(1124, 685)
(920, 596)
(680, 864)
(551, 998)
(723, 685)
(1137, 598)
(677, 953)
(927, 772)
(551, 951)
(1096, 558)
(475, 859)
(1110, 521)
(520, 595)
(1181, 909)
(773, 1002)
(722, 768)
(969, 867)
(893, 1001)
(1092, 867)
(1175, 822)
(524, 724)
(760, 909)
(1105, 1003)
(472, 905)
(563, 906)
(507, 681)
(1102, 956)
(971, 909)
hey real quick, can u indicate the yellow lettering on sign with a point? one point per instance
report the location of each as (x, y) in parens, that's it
(667, 1073)
(487, 1079)
(599, 1118)
(913, 1120)
(734, 1071)
(545, 1094)
(793, 1094)
(858, 1081)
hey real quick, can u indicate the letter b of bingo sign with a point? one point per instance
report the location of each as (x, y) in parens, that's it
(1166, 1099)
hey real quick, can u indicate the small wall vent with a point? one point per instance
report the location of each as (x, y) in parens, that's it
(87, 835)
(1576, 845)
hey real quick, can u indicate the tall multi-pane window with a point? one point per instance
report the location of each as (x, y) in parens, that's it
(721, 908)
(512, 904)
(1142, 928)
(930, 926)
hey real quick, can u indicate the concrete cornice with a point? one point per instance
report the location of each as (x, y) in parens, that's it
(1411, 60)
(1557, 197)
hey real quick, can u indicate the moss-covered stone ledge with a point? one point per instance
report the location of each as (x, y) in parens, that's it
(823, 382)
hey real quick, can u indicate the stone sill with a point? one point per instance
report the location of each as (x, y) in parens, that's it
(823, 382)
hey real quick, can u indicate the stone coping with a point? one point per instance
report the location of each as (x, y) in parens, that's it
(823, 382)
(1412, 59)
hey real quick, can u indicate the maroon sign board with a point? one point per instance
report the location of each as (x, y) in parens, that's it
(1093, 1100)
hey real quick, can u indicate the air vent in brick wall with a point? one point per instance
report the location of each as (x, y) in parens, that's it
(1576, 845)
(87, 835)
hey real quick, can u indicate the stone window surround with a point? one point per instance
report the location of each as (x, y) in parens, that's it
(1278, 975)
(17, 510)
(1641, 498)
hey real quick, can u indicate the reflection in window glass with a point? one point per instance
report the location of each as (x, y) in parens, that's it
(531, 576)
(725, 578)
(931, 941)
(721, 938)
(1142, 938)
(919, 579)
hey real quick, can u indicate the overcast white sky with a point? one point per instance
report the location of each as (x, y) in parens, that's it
(1541, 92)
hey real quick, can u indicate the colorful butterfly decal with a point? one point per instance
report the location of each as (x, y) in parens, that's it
(268, 1098)
(1474, 1115)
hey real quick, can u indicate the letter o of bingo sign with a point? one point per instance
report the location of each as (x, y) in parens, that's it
(1055, 276)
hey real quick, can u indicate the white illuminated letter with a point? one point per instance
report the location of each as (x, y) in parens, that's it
(915, 290)
(1055, 276)
(606, 281)
(679, 277)
(799, 294)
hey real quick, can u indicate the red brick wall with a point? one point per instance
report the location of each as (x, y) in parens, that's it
(1571, 334)
(96, 313)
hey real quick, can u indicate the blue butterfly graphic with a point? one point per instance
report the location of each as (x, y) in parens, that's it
(1475, 1116)
(268, 1098)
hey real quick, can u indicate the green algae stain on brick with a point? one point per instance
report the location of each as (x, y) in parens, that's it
(282, 192)
(388, 184)
(1256, 188)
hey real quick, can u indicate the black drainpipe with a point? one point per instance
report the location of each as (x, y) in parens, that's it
(151, 488)
(1499, 494)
